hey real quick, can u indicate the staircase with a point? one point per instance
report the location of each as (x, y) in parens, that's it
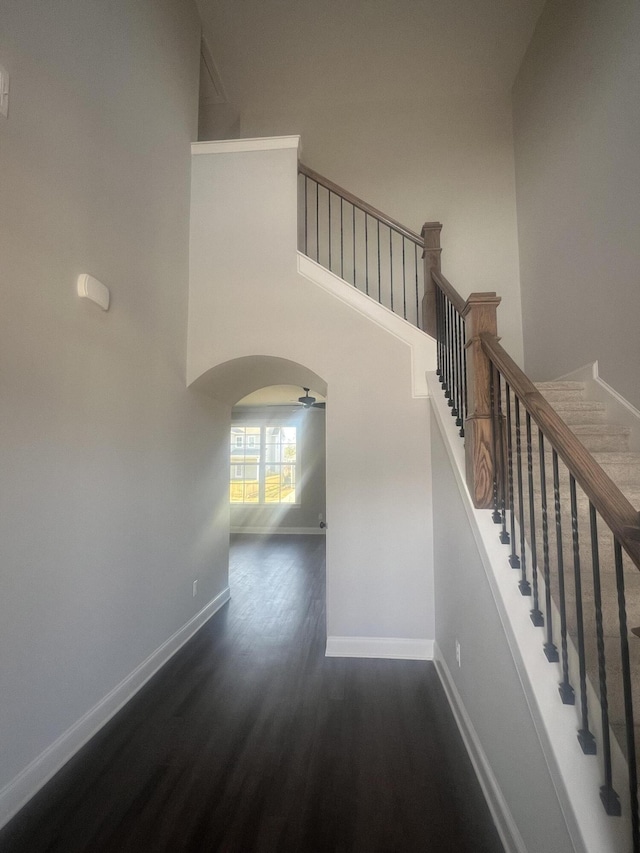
(560, 479)
(609, 445)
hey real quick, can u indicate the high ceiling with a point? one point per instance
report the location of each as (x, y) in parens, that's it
(270, 51)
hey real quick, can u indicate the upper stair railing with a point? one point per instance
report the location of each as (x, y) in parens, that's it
(367, 248)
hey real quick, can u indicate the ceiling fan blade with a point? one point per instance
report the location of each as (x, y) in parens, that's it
(319, 405)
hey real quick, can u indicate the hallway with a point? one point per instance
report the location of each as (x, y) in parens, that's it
(250, 739)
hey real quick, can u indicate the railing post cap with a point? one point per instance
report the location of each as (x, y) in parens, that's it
(486, 298)
(431, 226)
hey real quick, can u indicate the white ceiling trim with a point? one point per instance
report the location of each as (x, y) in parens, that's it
(227, 146)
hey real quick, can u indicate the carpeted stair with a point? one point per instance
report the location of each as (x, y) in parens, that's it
(609, 444)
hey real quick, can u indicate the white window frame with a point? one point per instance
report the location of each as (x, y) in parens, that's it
(264, 425)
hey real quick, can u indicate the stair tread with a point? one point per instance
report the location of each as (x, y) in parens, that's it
(617, 457)
(578, 406)
(599, 429)
(560, 385)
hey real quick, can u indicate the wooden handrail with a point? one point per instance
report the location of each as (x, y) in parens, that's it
(606, 497)
(450, 292)
(362, 205)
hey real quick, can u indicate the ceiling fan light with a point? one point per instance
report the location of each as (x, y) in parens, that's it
(306, 401)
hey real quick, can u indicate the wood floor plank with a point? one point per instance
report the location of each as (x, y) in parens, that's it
(250, 740)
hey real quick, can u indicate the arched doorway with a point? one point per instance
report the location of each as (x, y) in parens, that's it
(276, 455)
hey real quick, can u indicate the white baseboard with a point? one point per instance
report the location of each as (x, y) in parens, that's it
(379, 647)
(500, 812)
(290, 531)
(35, 775)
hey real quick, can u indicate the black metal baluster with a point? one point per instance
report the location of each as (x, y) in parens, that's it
(317, 223)
(379, 280)
(628, 699)
(550, 649)
(514, 561)
(306, 215)
(450, 376)
(460, 406)
(536, 614)
(439, 332)
(447, 353)
(456, 366)
(495, 515)
(415, 260)
(609, 797)
(585, 737)
(461, 377)
(461, 389)
(353, 232)
(566, 690)
(464, 374)
(504, 536)
(366, 253)
(404, 281)
(330, 235)
(524, 586)
(458, 352)
(391, 265)
(341, 238)
(443, 314)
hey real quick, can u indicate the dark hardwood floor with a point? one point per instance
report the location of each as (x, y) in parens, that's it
(250, 739)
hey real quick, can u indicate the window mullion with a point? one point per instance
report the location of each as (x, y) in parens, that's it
(263, 478)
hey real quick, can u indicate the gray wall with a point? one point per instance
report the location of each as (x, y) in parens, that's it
(487, 680)
(576, 128)
(312, 455)
(113, 495)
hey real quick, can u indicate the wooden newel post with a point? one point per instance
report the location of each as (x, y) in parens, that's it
(480, 316)
(431, 255)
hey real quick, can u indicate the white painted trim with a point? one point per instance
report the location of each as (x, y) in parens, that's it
(575, 777)
(421, 345)
(500, 812)
(35, 775)
(234, 146)
(379, 647)
(288, 530)
(618, 410)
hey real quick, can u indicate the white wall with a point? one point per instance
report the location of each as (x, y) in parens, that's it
(487, 682)
(448, 159)
(246, 298)
(113, 494)
(311, 487)
(577, 125)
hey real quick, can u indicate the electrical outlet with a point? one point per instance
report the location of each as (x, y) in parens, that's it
(458, 652)
(195, 588)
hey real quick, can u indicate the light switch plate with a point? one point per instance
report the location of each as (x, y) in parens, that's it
(4, 92)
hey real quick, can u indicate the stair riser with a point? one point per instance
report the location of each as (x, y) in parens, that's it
(583, 417)
(594, 442)
(561, 395)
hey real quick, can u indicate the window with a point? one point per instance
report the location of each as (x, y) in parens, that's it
(264, 464)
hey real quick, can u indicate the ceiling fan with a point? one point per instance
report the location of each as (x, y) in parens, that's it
(309, 402)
